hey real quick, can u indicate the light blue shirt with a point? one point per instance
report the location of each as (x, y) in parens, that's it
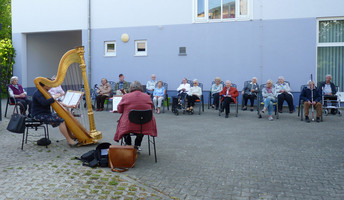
(159, 91)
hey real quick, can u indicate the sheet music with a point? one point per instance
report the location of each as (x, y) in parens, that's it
(72, 98)
(115, 101)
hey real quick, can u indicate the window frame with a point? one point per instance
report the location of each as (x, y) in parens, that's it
(110, 54)
(206, 19)
(140, 53)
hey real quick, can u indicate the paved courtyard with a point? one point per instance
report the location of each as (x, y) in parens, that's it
(199, 157)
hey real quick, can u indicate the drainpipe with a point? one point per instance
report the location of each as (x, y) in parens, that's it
(89, 42)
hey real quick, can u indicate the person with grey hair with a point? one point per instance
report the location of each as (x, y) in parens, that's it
(284, 94)
(150, 86)
(216, 88)
(158, 96)
(193, 94)
(135, 100)
(228, 95)
(250, 93)
(329, 90)
(311, 100)
(17, 92)
(269, 98)
(103, 92)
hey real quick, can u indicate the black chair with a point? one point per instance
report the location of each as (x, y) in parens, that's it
(142, 117)
(242, 99)
(261, 103)
(34, 124)
(236, 104)
(211, 96)
(12, 102)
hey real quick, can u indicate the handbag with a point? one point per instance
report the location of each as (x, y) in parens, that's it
(17, 123)
(121, 158)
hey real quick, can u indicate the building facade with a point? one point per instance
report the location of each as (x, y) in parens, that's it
(203, 39)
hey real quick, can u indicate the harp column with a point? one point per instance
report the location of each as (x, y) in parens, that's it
(93, 130)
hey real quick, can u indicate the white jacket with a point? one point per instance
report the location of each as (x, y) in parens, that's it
(195, 90)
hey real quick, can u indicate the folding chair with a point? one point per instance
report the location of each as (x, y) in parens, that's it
(261, 103)
(210, 92)
(142, 117)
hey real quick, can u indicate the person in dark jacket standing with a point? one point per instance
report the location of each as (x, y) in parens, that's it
(306, 96)
(41, 111)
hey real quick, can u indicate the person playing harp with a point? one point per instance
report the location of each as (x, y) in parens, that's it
(41, 111)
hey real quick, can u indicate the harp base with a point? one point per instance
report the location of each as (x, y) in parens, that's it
(95, 137)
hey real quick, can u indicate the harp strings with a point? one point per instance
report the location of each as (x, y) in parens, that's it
(73, 81)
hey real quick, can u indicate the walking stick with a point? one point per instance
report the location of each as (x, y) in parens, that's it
(312, 97)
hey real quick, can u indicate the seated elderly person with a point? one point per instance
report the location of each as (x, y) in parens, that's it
(122, 86)
(269, 98)
(135, 100)
(17, 92)
(41, 111)
(250, 93)
(57, 92)
(228, 95)
(216, 88)
(183, 88)
(158, 96)
(308, 101)
(103, 92)
(329, 90)
(284, 94)
(194, 93)
(150, 86)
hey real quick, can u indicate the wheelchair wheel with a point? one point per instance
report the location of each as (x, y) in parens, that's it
(326, 112)
(339, 112)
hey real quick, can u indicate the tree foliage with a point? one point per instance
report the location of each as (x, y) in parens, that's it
(5, 19)
(7, 55)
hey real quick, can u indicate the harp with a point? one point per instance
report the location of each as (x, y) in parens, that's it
(71, 74)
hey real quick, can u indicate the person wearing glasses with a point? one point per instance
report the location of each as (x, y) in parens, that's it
(194, 93)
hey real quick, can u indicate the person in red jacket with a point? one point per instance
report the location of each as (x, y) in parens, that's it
(134, 100)
(228, 95)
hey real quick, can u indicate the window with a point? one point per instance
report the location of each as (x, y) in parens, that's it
(330, 50)
(221, 10)
(110, 48)
(140, 47)
(182, 51)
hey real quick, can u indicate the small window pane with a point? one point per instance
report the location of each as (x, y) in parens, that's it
(331, 31)
(243, 7)
(228, 9)
(214, 9)
(200, 8)
(141, 46)
(110, 48)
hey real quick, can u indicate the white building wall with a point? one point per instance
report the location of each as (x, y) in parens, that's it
(48, 15)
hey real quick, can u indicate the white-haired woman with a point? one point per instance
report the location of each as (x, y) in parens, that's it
(269, 98)
(284, 94)
(194, 93)
(216, 88)
(250, 93)
(17, 92)
(103, 92)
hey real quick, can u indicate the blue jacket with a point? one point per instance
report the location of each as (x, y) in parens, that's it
(307, 96)
(40, 105)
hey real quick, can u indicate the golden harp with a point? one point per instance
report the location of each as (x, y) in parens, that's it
(73, 59)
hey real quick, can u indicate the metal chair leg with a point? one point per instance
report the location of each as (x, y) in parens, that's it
(27, 129)
(6, 108)
(149, 146)
(156, 160)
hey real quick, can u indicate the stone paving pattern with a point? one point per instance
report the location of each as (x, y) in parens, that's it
(199, 157)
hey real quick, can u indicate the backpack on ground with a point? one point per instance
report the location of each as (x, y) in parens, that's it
(97, 157)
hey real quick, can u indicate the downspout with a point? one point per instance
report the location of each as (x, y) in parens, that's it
(89, 42)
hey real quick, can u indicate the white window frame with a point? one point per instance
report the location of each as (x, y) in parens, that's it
(238, 17)
(141, 53)
(110, 54)
(324, 44)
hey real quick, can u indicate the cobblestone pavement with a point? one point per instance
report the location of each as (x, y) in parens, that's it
(199, 157)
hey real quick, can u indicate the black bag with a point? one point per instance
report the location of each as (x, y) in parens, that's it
(98, 157)
(43, 142)
(17, 123)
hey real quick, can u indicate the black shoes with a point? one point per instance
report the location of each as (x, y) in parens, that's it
(307, 119)
(226, 116)
(318, 119)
